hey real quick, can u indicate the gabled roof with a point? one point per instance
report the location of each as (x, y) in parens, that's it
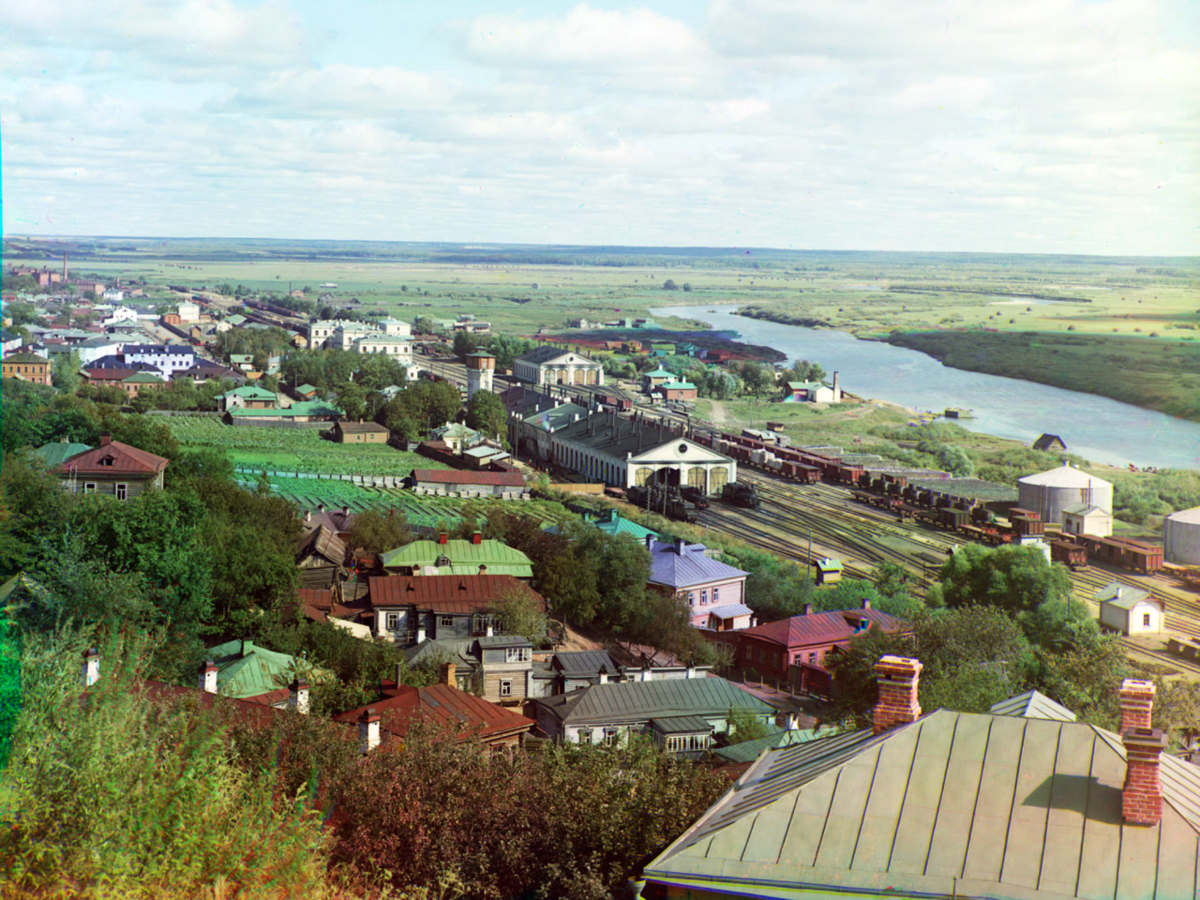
(730, 611)
(450, 594)
(306, 389)
(465, 557)
(686, 566)
(822, 627)
(124, 459)
(955, 804)
(547, 353)
(250, 392)
(1047, 441)
(322, 541)
(1123, 596)
(245, 669)
(1032, 705)
(457, 476)
(442, 704)
(361, 428)
(301, 408)
(142, 378)
(640, 701)
(25, 358)
(584, 662)
(1084, 509)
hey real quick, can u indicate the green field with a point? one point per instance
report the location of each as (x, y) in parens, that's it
(293, 450)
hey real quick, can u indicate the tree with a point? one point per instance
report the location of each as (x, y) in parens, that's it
(756, 378)
(486, 414)
(352, 399)
(517, 612)
(1015, 579)
(464, 344)
(670, 285)
(892, 578)
(745, 727)
(376, 531)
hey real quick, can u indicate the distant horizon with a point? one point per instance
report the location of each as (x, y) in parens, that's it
(612, 247)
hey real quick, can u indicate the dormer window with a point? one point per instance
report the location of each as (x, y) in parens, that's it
(106, 461)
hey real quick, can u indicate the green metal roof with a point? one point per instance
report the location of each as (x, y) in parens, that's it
(53, 454)
(307, 389)
(142, 378)
(660, 372)
(955, 804)
(828, 565)
(681, 725)
(748, 751)
(250, 392)
(638, 701)
(302, 408)
(1032, 705)
(614, 523)
(1122, 596)
(245, 669)
(465, 558)
(678, 385)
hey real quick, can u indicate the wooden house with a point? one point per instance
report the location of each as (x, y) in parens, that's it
(321, 556)
(113, 469)
(360, 433)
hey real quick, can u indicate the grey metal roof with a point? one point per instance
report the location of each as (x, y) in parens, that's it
(1033, 705)
(584, 662)
(681, 725)
(504, 640)
(547, 352)
(1083, 509)
(615, 436)
(439, 651)
(955, 804)
(748, 751)
(640, 701)
(683, 566)
(731, 611)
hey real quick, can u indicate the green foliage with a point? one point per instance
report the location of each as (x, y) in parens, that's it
(849, 593)
(421, 406)
(377, 531)
(1015, 579)
(138, 797)
(66, 376)
(518, 613)
(745, 727)
(464, 343)
(777, 588)
(486, 414)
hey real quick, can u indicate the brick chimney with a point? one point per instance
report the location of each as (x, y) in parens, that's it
(298, 696)
(477, 538)
(443, 537)
(1141, 797)
(897, 678)
(208, 677)
(91, 667)
(105, 439)
(482, 569)
(1137, 704)
(447, 675)
(368, 730)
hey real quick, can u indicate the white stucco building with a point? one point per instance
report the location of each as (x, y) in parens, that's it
(554, 365)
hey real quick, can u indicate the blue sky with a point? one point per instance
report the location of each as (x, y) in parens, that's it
(1029, 126)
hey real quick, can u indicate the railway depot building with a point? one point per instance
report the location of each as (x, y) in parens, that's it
(554, 365)
(619, 451)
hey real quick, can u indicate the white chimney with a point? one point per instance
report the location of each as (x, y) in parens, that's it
(208, 677)
(91, 667)
(298, 696)
(420, 628)
(490, 629)
(368, 730)
(692, 672)
(604, 678)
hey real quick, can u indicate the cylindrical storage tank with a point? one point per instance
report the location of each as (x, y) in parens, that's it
(1181, 537)
(1049, 493)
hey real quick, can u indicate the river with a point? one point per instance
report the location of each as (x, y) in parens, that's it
(1097, 428)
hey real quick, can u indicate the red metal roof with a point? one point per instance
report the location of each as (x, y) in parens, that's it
(462, 594)
(441, 703)
(453, 476)
(124, 459)
(821, 628)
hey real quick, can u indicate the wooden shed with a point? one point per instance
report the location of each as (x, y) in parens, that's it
(360, 433)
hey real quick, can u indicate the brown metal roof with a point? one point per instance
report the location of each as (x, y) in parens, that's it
(442, 704)
(123, 459)
(360, 427)
(461, 594)
(821, 628)
(453, 476)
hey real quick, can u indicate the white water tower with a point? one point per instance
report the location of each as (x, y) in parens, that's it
(480, 369)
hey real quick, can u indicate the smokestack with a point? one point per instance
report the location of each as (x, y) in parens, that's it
(897, 678)
(207, 672)
(1137, 704)
(368, 730)
(298, 696)
(837, 391)
(91, 667)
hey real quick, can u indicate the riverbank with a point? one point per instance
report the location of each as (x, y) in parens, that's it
(1150, 372)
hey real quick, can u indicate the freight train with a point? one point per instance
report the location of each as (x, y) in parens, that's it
(789, 463)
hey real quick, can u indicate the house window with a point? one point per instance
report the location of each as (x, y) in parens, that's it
(704, 598)
(445, 621)
(393, 621)
(122, 491)
(762, 655)
(749, 654)
(89, 488)
(505, 687)
(1146, 620)
(691, 598)
(585, 735)
(610, 736)
(518, 654)
(812, 658)
(716, 593)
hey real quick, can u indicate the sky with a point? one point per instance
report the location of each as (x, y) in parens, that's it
(1039, 126)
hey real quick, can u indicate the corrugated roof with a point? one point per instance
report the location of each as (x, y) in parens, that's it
(681, 725)
(500, 558)
(122, 457)
(1032, 705)
(635, 701)
(731, 611)
(461, 594)
(245, 669)
(454, 476)
(686, 566)
(584, 662)
(822, 627)
(58, 452)
(954, 804)
(748, 751)
(441, 703)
